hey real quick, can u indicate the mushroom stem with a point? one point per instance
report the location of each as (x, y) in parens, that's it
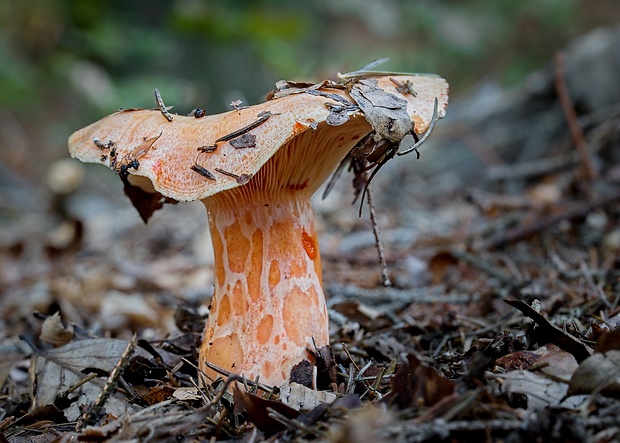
(268, 304)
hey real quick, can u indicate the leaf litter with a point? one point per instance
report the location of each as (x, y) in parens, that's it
(511, 332)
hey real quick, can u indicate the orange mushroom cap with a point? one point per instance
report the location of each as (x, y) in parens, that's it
(166, 151)
(255, 170)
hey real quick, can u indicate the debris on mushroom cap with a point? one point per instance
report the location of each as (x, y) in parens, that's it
(144, 143)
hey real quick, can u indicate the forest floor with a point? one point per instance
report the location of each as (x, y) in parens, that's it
(501, 324)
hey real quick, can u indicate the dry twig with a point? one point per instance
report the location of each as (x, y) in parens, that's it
(377, 233)
(571, 116)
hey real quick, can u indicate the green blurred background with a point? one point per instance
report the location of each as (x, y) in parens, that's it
(65, 64)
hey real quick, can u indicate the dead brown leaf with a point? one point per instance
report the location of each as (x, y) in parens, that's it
(54, 332)
(608, 341)
(415, 383)
(146, 203)
(257, 409)
(56, 374)
(552, 333)
(552, 359)
(598, 373)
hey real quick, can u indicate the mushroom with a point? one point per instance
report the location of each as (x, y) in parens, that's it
(255, 169)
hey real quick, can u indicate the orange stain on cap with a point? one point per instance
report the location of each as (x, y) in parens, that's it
(298, 128)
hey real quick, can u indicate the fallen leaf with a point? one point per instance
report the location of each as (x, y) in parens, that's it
(119, 310)
(440, 263)
(158, 394)
(608, 341)
(541, 392)
(326, 367)
(303, 373)
(598, 373)
(301, 398)
(348, 402)
(157, 426)
(386, 113)
(517, 360)
(146, 203)
(369, 318)
(552, 333)
(415, 382)
(257, 410)
(187, 393)
(54, 332)
(54, 372)
(558, 362)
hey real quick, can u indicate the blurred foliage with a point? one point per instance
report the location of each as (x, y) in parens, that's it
(65, 63)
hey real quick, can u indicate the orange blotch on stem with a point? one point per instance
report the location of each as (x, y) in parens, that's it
(240, 303)
(237, 246)
(289, 252)
(267, 369)
(280, 234)
(225, 352)
(298, 314)
(274, 274)
(298, 268)
(223, 314)
(256, 267)
(218, 252)
(264, 329)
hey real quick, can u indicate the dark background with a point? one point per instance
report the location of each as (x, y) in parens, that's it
(65, 64)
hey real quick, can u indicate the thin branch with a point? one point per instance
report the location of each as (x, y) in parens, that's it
(375, 230)
(571, 116)
(94, 410)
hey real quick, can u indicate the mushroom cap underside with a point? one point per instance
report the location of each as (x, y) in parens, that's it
(144, 143)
